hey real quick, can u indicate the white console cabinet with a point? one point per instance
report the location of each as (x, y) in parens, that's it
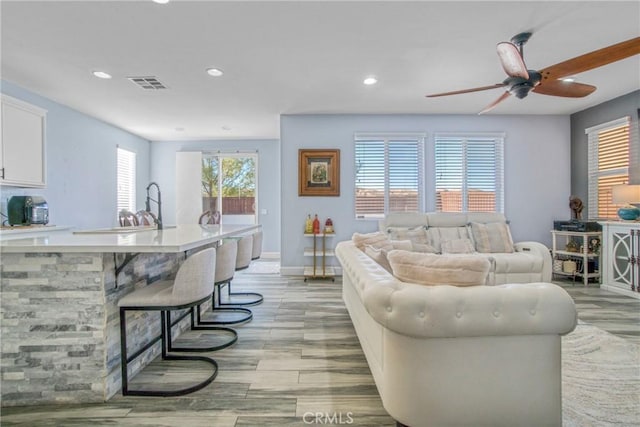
(22, 144)
(621, 257)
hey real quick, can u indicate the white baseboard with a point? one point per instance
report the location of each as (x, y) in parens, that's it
(270, 255)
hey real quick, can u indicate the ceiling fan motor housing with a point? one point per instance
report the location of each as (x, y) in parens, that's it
(520, 87)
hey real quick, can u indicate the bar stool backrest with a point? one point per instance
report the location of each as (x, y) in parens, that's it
(194, 280)
(226, 260)
(245, 248)
(257, 245)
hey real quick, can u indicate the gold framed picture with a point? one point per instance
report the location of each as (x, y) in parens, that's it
(318, 172)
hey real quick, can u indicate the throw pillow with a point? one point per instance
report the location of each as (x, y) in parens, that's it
(416, 234)
(457, 246)
(434, 270)
(428, 249)
(377, 239)
(379, 256)
(493, 237)
(405, 245)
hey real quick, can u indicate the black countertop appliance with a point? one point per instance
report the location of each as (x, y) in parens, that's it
(27, 210)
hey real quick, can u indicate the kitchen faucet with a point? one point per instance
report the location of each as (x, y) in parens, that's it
(158, 202)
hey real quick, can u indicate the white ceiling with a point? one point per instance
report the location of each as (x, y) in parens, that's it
(298, 57)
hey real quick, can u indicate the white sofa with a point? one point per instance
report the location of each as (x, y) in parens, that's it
(446, 356)
(531, 261)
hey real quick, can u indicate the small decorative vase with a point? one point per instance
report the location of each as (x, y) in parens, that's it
(629, 213)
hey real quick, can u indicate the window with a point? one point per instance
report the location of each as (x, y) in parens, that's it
(469, 173)
(389, 174)
(232, 176)
(608, 165)
(126, 180)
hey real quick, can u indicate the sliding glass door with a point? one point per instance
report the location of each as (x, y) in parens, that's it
(229, 186)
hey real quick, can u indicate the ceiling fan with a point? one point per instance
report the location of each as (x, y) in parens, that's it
(547, 81)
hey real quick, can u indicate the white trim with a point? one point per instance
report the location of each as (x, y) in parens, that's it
(613, 123)
(618, 290)
(467, 135)
(367, 135)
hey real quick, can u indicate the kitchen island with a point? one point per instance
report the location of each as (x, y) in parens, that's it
(59, 296)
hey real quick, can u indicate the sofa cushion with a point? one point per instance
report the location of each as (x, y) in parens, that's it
(493, 237)
(434, 270)
(457, 246)
(416, 234)
(517, 262)
(437, 235)
(379, 256)
(377, 239)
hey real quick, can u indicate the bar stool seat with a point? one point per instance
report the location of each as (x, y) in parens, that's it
(191, 287)
(243, 259)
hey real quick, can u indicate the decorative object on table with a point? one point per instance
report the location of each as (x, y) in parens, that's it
(328, 226)
(594, 246)
(626, 195)
(316, 225)
(572, 246)
(308, 225)
(576, 206)
(318, 172)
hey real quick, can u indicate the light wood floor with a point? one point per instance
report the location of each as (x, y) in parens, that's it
(298, 357)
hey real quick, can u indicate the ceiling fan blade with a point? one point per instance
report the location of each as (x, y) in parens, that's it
(476, 89)
(511, 60)
(566, 89)
(592, 60)
(496, 102)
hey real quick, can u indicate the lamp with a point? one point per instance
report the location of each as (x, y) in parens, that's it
(625, 195)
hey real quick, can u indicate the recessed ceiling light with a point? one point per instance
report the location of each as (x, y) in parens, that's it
(568, 79)
(161, 1)
(370, 80)
(227, 128)
(101, 75)
(179, 129)
(215, 72)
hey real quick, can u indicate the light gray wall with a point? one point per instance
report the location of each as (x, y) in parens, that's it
(537, 175)
(81, 165)
(163, 171)
(626, 105)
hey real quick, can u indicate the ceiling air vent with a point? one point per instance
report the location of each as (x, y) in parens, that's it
(148, 83)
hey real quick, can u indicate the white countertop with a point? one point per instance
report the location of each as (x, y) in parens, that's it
(18, 230)
(178, 239)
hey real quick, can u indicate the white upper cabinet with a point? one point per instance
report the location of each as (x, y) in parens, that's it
(22, 147)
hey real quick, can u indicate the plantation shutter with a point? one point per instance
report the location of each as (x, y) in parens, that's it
(608, 165)
(126, 180)
(389, 174)
(469, 173)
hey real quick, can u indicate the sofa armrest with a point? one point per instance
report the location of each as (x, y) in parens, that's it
(540, 250)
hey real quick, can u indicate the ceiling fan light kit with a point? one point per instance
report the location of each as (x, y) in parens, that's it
(550, 80)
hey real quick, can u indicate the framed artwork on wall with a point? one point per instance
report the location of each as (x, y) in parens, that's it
(318, 172)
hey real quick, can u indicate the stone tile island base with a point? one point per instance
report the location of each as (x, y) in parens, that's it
(60, 326)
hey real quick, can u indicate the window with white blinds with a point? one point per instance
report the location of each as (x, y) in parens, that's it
(126, 180)
(389, 174)
(608, 165)
(469, 173)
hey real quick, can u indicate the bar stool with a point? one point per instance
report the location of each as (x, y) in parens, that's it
(243, 259)
(191, 287)
(225, 267)
(256, 251)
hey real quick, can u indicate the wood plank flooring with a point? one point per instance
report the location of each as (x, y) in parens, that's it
(298, 357)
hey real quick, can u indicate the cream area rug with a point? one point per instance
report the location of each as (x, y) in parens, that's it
(600, 379)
